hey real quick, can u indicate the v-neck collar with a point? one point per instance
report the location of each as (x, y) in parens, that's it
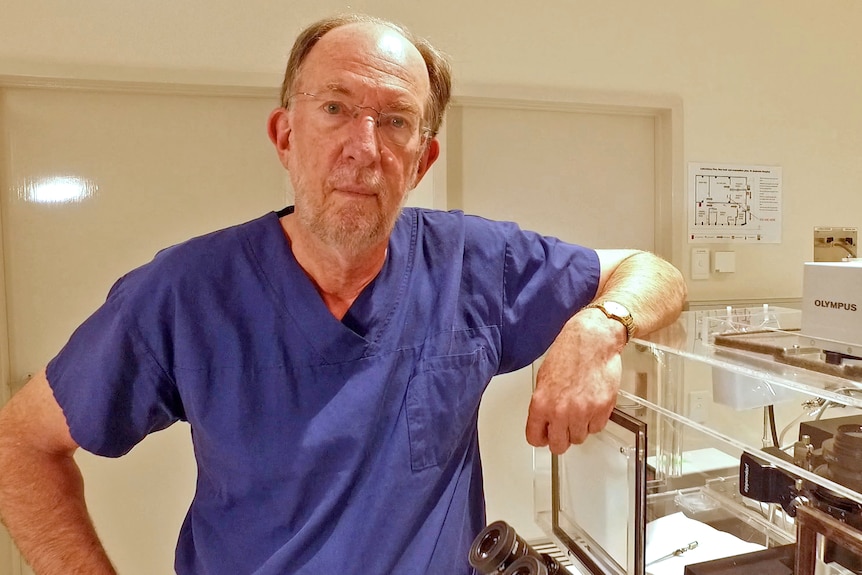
(370, 316)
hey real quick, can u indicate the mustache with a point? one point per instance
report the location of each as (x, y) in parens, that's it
(345, 176)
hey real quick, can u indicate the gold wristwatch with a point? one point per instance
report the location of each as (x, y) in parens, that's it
(618, 312)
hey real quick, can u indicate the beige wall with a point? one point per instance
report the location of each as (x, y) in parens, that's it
(766, 81)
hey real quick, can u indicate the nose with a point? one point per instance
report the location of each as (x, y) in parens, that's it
(361, 143)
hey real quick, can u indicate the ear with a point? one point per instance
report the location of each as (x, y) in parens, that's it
(278, 129)
(429, 156)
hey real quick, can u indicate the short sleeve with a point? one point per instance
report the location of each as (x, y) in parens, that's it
(111, 387)
(546, 281)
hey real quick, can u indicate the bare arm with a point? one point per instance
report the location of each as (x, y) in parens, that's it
(41, 489)
(577, 384)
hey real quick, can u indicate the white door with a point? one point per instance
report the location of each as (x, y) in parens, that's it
(155, 170)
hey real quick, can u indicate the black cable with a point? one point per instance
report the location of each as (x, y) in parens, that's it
(772, 428)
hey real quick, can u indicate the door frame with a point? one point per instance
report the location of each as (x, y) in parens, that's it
(665, 110)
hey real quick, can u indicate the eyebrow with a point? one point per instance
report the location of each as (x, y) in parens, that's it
(338, 89)
(399, 104)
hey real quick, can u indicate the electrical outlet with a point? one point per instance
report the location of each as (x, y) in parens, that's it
(833, 244)
(698, 406)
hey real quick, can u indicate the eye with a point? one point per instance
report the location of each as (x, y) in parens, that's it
(396, 121)
(334, 107)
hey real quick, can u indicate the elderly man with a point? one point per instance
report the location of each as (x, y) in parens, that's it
(330, 357)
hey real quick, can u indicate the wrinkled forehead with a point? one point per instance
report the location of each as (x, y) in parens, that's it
(369, 54)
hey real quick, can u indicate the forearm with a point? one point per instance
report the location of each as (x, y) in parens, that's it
(650, 287)
(577, 384)
(42, 505)
(42, 493)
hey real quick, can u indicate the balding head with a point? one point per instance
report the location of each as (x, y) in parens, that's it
(437, 69)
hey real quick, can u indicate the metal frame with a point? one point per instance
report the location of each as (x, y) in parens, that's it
(586, 553)
(810, 523)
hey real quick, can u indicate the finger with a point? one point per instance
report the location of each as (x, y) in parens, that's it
(537, 431)
(596, 425)
(578, 434)
(558, 438)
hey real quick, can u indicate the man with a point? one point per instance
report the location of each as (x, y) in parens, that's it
(330, 358)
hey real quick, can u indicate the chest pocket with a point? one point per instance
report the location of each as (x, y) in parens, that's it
(442, 406)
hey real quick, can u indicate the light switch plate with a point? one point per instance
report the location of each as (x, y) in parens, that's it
(699, 264)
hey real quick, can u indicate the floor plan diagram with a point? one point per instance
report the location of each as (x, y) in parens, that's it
(722, 200)
(734, 204)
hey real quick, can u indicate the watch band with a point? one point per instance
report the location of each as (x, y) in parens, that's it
(619, 312)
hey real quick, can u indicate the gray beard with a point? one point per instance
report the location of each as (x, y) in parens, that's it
(350, 230)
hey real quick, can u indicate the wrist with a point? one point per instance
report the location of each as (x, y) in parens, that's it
(618, 313)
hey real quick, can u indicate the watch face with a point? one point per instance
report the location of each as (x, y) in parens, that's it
(616, 309)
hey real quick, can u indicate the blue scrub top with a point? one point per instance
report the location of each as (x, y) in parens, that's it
(323, 446)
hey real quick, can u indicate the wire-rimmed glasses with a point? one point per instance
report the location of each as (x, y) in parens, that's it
(396, 127)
